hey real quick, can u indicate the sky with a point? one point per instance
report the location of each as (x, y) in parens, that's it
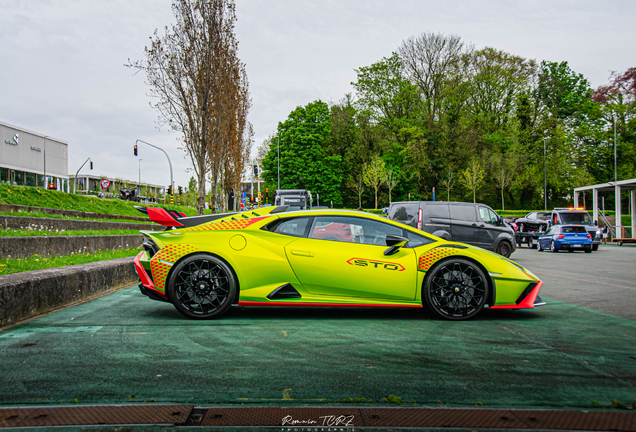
(62, 61)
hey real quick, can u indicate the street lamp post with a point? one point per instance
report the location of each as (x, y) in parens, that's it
(545, 178)
(139, 192)
(77, 173)
(46, 186)
(278, 162)
(164, 152)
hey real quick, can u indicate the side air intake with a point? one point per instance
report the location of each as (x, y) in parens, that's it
(286, 291)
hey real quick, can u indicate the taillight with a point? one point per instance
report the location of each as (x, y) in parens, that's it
(589, 236)
(419, 219)
(560, 236)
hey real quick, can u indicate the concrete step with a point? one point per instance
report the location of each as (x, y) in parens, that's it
(28, 294)
(20, 247)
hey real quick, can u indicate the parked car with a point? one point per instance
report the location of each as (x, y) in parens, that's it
(566, 237)
(578, 216)
(279, 258)
(474, 224)
(532, 226)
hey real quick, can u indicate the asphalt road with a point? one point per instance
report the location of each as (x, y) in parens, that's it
(604, 280)
(125, 348)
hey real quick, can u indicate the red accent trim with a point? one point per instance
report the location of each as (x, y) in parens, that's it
(527, 303)
(143, 276)
(375, 261)
(262, 303)
(162, 217)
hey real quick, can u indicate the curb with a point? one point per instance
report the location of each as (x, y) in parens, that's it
(24, 222)
(28, 294)
(20, 247)
(14, 208)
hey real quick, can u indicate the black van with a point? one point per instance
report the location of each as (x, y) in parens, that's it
(474, 224)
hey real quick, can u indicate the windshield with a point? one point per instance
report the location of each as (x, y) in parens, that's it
(575, 218)
(543, 215)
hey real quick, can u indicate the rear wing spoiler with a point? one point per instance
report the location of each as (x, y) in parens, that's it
(175, 219)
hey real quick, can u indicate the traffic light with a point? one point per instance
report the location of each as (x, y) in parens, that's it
(169, 190)
(180, 190)
(135, 149)
(255, 170)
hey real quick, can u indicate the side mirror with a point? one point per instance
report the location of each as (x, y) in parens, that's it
(395, 243)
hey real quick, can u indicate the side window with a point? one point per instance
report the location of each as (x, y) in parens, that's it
(531, 216)
(416, 240)
(462, 212)
(404, 213)
(293, 226)
(436, 210)
(352, 230)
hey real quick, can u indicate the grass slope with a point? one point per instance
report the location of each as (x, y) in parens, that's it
(36, 262)
(39, 197)
(45, 233)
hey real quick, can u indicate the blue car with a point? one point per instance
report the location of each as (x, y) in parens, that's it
(566, 237)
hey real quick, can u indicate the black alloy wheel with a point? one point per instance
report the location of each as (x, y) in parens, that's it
(504, 249)
(553, 247)
(202, 287)
(456, 289)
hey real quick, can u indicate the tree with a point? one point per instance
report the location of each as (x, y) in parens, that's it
(373, 175)
(305, 162)
(192, 189)
(473, 176)
(194, 73)
(391, 178)
(504, 169)
(448, 181)
(357, 185)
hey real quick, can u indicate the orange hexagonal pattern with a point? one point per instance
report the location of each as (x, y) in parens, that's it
(434, 255)
(226, 225)
(170, 253)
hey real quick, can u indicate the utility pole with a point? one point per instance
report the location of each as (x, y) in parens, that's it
(278, 162)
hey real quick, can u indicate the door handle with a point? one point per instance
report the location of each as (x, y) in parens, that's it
(303, 253)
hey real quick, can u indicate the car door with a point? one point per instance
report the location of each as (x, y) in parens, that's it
(344, 256)
(490, 231)
(464, 225)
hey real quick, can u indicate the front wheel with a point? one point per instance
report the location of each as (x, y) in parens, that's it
(202, 287)
(539, 246)
(504, 249)
(456, 289)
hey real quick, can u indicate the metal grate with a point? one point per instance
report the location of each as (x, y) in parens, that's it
(337, 418)
(94, 415)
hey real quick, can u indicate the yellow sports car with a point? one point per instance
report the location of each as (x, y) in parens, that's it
(332, 258)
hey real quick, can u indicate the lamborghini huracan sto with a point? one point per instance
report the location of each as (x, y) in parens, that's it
(332, 258)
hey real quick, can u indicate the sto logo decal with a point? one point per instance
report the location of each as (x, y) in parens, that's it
(363, 262)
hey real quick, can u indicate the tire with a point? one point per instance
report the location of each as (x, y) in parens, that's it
(534, 246)
(455, 289)
(595, 247)
(202, 286)
(553, 247)
(588, 250)
(504, 249)
(539, 246)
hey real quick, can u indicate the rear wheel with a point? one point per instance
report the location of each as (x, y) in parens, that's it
(595, 247)
(456, 289)
(588, 250)
(202, 287)
(553, 247)
(504, 249)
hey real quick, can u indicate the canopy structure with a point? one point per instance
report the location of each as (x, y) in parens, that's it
(617, 188)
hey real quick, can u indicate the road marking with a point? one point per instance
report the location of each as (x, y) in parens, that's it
(585, 280)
